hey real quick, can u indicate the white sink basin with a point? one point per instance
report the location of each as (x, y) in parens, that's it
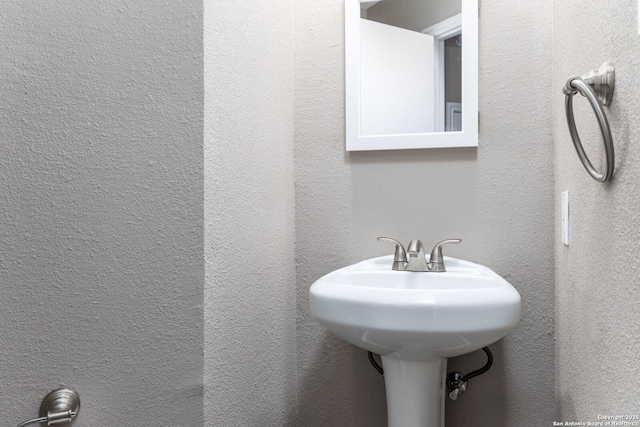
(415, 320)
(416, 315)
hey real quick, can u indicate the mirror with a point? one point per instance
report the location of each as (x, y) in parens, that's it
(411, 74)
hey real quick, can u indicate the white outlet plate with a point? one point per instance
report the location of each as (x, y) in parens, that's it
(565, 218)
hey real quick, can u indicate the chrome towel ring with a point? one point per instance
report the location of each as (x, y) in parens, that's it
(597, 86)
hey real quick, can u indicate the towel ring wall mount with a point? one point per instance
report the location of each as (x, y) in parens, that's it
(597, 86)
(59, 407)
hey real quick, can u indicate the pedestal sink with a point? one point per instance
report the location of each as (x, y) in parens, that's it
(415, 321)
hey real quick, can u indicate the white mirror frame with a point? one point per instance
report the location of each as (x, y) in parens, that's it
(468, 137)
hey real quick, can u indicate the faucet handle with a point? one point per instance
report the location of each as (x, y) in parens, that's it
(400, 255)
(436, 261)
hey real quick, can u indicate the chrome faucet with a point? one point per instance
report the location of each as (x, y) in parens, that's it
(417, 259)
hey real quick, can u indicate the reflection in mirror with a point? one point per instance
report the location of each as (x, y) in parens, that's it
(411, 68)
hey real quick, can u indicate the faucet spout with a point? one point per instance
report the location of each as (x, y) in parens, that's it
(417, 260)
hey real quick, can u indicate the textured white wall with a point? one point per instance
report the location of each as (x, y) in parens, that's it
(498, 199)
(598, 275)
(249, 214)
(101, 218)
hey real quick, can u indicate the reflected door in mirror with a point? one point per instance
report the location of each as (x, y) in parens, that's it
(396, 80)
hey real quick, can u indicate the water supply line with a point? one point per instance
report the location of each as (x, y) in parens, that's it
(456, 382)
(375, 364)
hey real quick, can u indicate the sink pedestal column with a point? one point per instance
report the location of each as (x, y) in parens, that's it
(415, 392)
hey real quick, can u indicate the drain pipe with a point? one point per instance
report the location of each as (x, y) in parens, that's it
(456, 382)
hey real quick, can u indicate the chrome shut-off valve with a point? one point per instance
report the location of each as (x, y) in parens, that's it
(456, 385)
